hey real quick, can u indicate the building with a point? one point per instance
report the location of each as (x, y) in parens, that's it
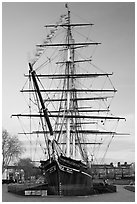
(120, 171)
(13, 174)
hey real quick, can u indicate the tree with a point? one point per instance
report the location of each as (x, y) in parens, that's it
(28, 167)
(11, 148)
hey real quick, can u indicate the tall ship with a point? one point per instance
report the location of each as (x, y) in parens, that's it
(69, 100)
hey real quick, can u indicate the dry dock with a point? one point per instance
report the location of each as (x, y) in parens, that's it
(122, 195)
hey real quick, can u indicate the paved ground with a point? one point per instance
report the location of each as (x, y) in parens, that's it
(122, 195)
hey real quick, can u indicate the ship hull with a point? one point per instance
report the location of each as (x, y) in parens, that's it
(67, 177)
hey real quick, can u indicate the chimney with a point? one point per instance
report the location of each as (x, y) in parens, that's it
(118, 164)
(111, 164)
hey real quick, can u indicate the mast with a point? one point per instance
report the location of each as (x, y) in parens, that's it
(68, 86)
(70, 70)
(74, 103)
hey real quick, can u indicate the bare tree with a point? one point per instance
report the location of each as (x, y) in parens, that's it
(11, 148)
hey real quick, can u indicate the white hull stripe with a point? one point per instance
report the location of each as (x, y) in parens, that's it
(72, 169)
(86, 174)
(68, 169)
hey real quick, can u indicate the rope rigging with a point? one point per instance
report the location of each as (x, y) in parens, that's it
(69, 67)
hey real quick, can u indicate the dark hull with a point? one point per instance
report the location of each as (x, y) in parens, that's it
(67, 177)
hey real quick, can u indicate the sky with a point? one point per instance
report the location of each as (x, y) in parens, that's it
(114, 24)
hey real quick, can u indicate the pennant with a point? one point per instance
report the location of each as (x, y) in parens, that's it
(52, 31)
(45, 41)
(37, 54)
(40, 49)
(49, 37)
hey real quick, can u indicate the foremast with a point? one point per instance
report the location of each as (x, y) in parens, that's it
(68, 93)
(71, 96)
